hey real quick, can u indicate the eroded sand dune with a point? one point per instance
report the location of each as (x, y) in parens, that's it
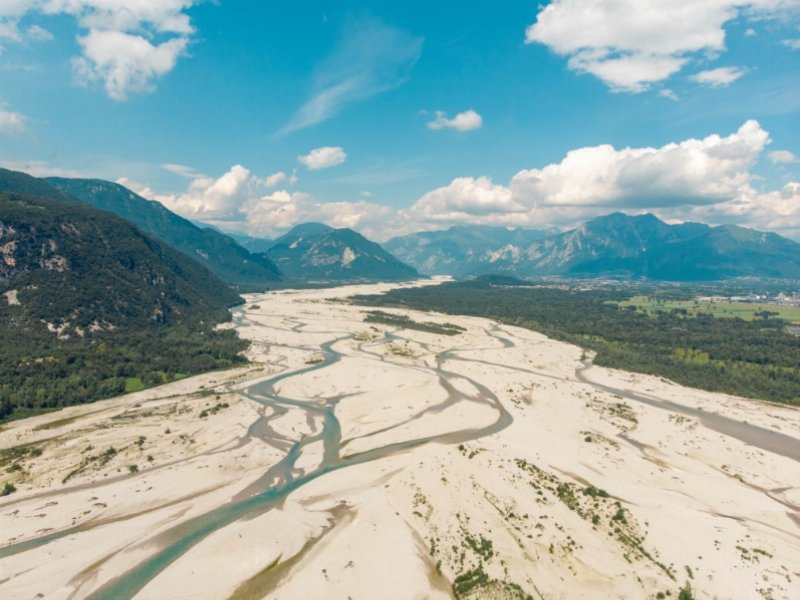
(355, 460)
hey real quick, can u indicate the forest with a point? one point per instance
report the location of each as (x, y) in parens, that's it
(753, 358)
(40, 373)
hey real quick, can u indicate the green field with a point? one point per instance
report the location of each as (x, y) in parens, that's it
(744, 310)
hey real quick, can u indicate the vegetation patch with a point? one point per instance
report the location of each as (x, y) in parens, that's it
(213, 410)
(400, 350)
(92, 460)
(595, 505)
(404, 322)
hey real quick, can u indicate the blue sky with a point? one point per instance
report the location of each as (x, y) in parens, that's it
(396, 116)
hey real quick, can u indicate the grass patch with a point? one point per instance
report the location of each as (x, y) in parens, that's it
(749, 311)
(134, 384)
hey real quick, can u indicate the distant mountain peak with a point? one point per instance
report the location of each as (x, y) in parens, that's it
(312, 251)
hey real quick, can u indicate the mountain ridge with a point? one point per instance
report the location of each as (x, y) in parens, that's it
(91, 307)
(219, 252)
(628, 246)
(317, 252)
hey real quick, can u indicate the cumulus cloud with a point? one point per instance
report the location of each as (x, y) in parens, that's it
(126, 45)
(275, 213)
(371, 58)
(782, 157)
(463, 121)
(630, 44)
(467, 196)
(209, 198)
(592, 179)
(280, 177)
(719, 77)
(238, 200)
(125, 63)
(11, 123)
(777, 210)
(323, 158)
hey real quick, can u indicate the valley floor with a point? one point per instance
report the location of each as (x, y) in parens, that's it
(358, 460)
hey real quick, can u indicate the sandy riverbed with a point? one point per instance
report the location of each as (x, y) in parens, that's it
(490, 458)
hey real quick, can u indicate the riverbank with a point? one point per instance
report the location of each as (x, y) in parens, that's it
(354, 456)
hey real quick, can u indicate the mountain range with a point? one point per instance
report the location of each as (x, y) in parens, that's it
(215, 250)
(616, 245)
(248, 263)
(316, 252)
(619, 245)
(461, 250)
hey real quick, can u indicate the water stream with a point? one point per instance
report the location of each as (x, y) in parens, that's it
(281, 479)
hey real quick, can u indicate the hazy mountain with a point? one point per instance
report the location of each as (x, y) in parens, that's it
(217, 251)
(316, 252)
(644, 246)
(462, 249)
(252, 244)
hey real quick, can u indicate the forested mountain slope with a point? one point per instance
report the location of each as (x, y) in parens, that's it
(90, 306)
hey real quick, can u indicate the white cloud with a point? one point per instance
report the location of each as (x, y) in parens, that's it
(323, 158)
(165, 16)
(275, 179)
(463, 121)
(126, 63)
(777, 211)
(280, 177)
(782, 157)
(690, 172)
(181, 170)
(372, 58)
(127, 44)
(631, 44)
(466, 196)
(274, 213)
(38, 34)
(238, 201)
(11, 123)
(600, 178)
(9, 30)
(719, 77)
(669, 94)
(793, 44)
(211, 199)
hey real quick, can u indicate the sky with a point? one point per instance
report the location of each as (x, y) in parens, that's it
(392, 117)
